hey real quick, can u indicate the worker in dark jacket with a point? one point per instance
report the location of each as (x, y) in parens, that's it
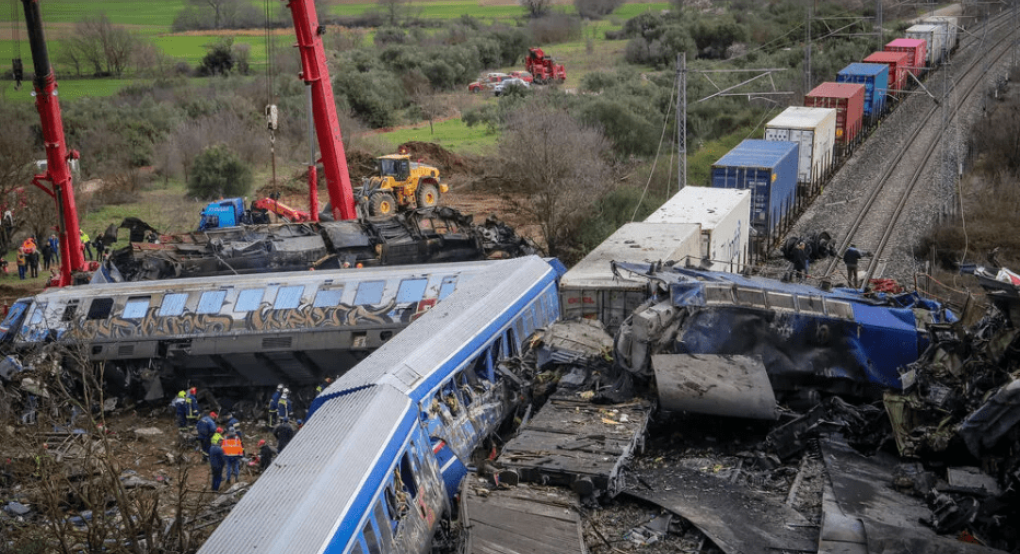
(283, 433)
(192, 409)
(206, 428)
(283, 409)
(801, 260)
(274, 406)
(850, 258)
(266, 455)
(217, 460)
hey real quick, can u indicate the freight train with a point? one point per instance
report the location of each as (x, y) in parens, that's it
(377, 464)
(803, 145)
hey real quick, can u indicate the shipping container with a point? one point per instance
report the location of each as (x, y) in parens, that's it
(951, 24)
(769, 170)
(591, 290)
(814, 129)
(934, 36)
(915, 48)
(725, 219)
(897, 62)
(875, 78)
(848, 101)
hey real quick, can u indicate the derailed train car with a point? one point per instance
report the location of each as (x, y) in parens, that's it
(808, 341)
(232, 332)
(432, 235)
(375, 467)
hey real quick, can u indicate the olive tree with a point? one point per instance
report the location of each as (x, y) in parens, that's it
(553, 171)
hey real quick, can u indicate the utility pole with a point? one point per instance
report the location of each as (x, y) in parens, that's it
(681, 120)
(878, 25)
(807, 53)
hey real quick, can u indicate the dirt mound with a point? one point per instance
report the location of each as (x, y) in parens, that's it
(448, 163)
(360, 164)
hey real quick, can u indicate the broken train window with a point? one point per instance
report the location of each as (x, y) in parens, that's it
(70, 310)
(448, 285)
(100, 308)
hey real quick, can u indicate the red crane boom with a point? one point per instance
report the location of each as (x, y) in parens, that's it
(58, 172)
(327, 126)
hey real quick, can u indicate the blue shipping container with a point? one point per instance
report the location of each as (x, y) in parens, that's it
(875, 78)
(769, 169)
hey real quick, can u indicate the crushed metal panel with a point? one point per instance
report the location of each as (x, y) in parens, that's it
(737, 520)
(570, 441)
(573, 341)
(346, 234)
(525, 519)
(862, 489)
(986, 425)
(724, 385)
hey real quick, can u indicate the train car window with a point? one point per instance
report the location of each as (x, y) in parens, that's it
(328, 298)
(248, 300)
(482, 367)
(411, 290)
(288, 298)
(810, 304)
(780, 300)
(448, 285)
(12, 317)
(406, 480)
(136, 307)
(211, 302)
(100, 308)
(519, 329)
(371, 541)
(358, 548)
(750, 297)
(37, 315)
(385, 529)
(718, 295)
(839, 309)
(173, 304)
(70, 310)
(369, 292)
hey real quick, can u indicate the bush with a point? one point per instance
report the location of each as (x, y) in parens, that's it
(596, 9)
(555, 28)
(219, 60)
(217, 172)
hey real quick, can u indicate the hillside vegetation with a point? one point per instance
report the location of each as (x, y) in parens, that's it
(405, 66)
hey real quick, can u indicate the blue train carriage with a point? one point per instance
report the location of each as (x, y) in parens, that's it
(377, 465)
(769, 170)
(875, 78)
(238, 331)
(809, 339)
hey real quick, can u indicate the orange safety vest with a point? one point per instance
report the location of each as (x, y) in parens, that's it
(232, 447)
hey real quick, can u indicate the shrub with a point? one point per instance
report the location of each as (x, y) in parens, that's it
(596, 9)
(217, 172)
(555, 28)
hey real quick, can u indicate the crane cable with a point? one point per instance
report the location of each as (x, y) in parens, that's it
(271, 112)
(18, 69)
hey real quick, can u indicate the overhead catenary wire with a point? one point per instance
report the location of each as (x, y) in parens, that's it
(658, 151)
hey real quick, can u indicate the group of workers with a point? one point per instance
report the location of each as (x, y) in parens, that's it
(224, 449)
(800, 258)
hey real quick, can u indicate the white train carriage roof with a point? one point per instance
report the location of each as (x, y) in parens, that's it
(326, 479)
(452, 331)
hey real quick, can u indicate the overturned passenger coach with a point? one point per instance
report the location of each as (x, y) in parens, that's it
(237, 331)
(808, 340)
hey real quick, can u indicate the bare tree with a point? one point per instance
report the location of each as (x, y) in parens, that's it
(395, 11)
(17, 153)
(536, 8)
(554, 170)
(98, 44)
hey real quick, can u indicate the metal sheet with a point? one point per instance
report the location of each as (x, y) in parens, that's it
(522, 520)
(735, 386)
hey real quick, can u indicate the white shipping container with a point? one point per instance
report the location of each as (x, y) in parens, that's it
(951, 25)
(814, 129)
(934, 34)
(725, 219)
(591, 290)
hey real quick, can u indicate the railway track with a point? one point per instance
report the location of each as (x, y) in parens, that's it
(871, 195)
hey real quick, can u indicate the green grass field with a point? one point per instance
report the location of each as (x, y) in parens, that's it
(69, 89)
(451, 134)
(154, 15)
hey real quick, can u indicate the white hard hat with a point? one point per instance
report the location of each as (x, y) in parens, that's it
(279, 387)
(285, 391)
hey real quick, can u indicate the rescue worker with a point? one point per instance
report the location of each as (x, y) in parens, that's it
(233, 450)
(22, 263)
(192, 410)
(216, 462)
(233, 425)
(850, 258)
(801, 261)
(218, 435)
(283, 410)
(266, 455)
(205, 427)
(283, 433)
(325, 384)
(274, 405)
(86, 245)
(180, 406)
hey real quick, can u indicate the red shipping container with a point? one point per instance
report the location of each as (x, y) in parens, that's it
(848, 99)
(897, 62)
(914, 47)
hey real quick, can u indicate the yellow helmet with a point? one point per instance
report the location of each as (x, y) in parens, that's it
(182, 394)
